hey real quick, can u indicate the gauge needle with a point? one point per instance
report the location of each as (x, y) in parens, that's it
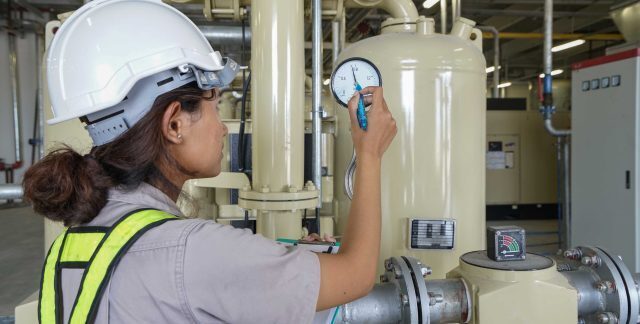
(360, 113)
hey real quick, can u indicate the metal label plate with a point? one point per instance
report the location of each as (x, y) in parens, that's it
(427, 234)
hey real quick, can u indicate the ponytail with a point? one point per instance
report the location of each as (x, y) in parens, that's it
(67, 187)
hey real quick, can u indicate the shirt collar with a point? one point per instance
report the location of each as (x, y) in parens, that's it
(145, 195)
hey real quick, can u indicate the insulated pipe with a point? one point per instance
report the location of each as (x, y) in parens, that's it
(547, 100)
(316, 97)
(277, 105)
(443, 16)
(395, 8)
(496, 57)
(11, 191)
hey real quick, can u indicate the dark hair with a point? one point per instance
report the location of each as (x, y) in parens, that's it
(66, 186)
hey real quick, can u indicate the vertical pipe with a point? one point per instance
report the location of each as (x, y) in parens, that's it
(343, 31)
(277, 105)
(566, 172)
(496, 57)
(40, 78)
(548, 34)
(335, 39)
(455, 9)
(316, 95)
(443, 16)
(15, 93)
(496, 62)
(547, 96)
(560, 195)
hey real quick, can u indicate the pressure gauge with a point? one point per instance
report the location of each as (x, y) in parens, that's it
(350, 74)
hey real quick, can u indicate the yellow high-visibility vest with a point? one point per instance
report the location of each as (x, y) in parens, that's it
(97, 250)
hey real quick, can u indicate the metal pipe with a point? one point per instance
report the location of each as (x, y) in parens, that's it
(225, 35)
(533, 13)
(335, 39)
(316, 97)
(548, 32)
(496, 57)
(547, 101)
(11, 191)
(553, 131)
(443, 16)
(449, 301)
(566, 172)
(40, 76)
(381, 305)
(562, 238)
(15, 94)
(558, 36)
(455, 9)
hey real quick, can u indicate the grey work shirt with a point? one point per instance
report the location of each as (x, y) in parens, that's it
(198, 271)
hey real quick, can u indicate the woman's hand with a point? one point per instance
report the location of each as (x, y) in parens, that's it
(382, 127)
(351, 273)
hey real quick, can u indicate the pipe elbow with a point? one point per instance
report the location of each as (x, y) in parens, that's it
(553, 131)
(396, 8)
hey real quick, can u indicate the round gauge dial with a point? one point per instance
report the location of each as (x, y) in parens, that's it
(351, 74)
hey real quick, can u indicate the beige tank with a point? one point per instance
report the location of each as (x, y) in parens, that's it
(434, 170)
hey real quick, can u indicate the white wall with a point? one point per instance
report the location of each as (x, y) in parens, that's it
(26, 53)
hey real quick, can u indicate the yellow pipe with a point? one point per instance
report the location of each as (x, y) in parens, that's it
(277, 106)
(600, 37)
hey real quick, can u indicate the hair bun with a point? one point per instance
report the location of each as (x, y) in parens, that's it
(66, 186)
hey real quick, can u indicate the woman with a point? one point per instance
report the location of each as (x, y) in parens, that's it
(148, 96)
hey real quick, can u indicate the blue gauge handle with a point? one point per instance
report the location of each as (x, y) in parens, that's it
(361, 112)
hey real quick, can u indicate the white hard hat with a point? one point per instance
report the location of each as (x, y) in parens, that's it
(109, 46)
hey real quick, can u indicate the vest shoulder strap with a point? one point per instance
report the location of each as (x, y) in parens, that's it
(96, 249)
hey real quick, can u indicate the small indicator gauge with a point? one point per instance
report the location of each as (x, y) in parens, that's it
(604, 82)
(595, 84)
(586, 85)
(615, 81)
(350, 73)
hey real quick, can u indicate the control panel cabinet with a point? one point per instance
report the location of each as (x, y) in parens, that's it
(605, 145)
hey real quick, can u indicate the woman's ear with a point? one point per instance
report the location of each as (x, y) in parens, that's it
(173, 123)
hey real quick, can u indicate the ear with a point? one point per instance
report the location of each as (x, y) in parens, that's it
(173, 123)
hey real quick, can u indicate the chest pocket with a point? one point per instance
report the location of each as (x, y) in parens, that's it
(97, 250)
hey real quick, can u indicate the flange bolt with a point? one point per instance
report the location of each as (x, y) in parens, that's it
(405, 299)
(607, 318)
(606, 287)
(591, 261)
(573, 254)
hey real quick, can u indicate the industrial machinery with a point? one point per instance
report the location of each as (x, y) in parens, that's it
(433, 173)
(433, 177)
(605, 142)
(585, 285)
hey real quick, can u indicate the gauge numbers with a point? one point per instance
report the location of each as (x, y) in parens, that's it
(355, 70)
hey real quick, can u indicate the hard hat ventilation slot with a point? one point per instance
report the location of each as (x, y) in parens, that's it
(165, 81)
(88, 121)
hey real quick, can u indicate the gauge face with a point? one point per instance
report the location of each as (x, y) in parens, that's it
(350, 72)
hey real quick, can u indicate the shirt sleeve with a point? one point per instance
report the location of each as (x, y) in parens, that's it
(234, 276)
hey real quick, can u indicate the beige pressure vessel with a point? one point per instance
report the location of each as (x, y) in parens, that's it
(433, 172)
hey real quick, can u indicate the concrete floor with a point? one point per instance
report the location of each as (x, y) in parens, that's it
(21, 256)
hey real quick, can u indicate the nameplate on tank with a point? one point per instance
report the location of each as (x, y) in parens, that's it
(430, 234)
